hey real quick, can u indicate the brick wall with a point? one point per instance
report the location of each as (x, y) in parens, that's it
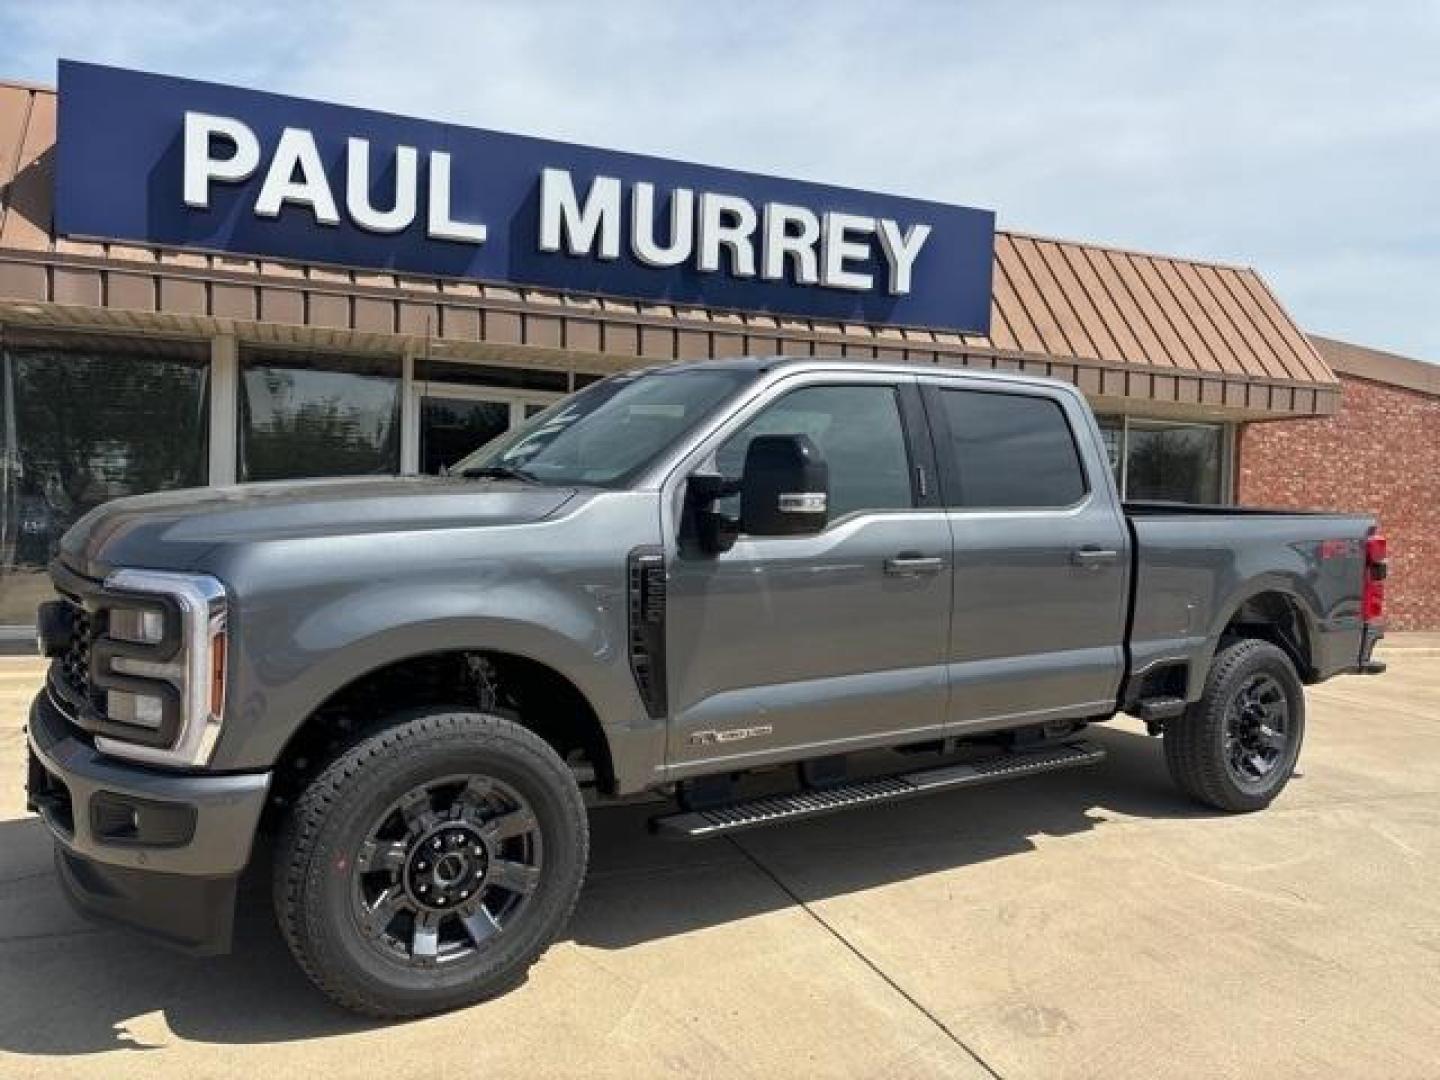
(1380, 454)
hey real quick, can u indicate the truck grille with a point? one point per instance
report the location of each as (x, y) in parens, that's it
(72, 667)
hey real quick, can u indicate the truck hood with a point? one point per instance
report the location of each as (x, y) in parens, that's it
(175, 530)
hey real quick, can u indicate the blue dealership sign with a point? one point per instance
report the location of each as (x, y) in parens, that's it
(180, 163)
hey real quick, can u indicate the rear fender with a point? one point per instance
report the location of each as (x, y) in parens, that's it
(1301, 597)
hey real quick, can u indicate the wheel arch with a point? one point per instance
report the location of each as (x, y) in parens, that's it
(530, 692)
(1271, 610)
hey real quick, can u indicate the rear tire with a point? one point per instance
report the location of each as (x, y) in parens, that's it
(431, 864)
(1236, 748)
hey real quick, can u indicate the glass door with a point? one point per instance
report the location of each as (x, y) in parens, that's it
(452, 419)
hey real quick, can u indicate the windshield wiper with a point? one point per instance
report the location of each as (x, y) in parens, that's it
(500, 472)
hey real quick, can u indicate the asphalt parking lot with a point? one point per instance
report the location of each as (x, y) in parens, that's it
(1082, 924)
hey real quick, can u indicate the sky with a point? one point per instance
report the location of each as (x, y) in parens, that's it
(1300, 138)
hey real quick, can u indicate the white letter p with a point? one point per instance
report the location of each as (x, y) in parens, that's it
(201, 168)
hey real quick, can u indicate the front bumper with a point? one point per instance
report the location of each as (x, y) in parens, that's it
(159, 852)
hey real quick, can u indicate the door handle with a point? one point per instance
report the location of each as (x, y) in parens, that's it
(912, 564)
(1093, 558)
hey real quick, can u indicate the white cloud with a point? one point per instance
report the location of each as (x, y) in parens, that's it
(1300, 138)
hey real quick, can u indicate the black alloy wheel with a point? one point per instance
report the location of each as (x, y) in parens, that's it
(1236, 747)
(446, 868)
(429, 865)
(1256, 729)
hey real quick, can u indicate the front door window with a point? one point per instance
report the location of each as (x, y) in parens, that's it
(858, 432)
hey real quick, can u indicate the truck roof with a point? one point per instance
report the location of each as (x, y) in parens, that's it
(768, 364)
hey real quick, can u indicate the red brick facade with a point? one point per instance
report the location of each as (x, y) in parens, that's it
(1381, 454)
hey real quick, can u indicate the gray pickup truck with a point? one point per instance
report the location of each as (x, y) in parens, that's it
(750, 591)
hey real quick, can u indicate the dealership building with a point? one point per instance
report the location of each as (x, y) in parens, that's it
(196, 288)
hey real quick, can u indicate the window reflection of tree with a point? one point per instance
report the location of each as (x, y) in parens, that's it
(89, 427)
(298, 422)
(451, 429)
(1177, 464)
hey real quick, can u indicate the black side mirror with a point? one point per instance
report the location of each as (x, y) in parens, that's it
(785, 489)
(713, 531)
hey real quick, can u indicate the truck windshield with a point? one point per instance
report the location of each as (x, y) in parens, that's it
(609, 432)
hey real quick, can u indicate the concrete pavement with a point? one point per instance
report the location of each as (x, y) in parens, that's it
(1082, 924)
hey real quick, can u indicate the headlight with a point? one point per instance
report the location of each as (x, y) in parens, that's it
(161, 666)
(142, 710)
(133, 624)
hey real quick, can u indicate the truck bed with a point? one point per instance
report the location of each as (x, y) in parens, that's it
(1158, 508)
(1195, 568)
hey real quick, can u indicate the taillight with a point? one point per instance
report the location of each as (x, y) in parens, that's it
(1372, 596)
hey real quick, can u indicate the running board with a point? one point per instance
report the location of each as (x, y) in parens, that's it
(733, 817)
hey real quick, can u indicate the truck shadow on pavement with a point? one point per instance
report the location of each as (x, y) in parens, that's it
(72, 988)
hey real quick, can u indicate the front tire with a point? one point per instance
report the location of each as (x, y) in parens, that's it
(431, 864)
(1235, 749)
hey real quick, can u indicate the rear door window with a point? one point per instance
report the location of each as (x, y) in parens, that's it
(1008, 451)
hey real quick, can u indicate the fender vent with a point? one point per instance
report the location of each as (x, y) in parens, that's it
(646, 603)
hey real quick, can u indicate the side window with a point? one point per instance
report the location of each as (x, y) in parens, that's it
(857, 429)
(1011, 450)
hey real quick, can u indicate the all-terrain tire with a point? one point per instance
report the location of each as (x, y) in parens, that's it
(316, 852)
(1197, 744)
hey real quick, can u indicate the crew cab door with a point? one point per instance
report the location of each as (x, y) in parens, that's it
(792, 646)
(1041, 554)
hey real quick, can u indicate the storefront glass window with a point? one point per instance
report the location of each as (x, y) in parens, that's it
(451, 427)
(84, 420)
(1112, 433)
(1174, 463)
(428, 369)
(1169, 462)
(317, 415)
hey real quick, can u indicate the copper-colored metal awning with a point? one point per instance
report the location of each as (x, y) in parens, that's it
(1136, 332)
